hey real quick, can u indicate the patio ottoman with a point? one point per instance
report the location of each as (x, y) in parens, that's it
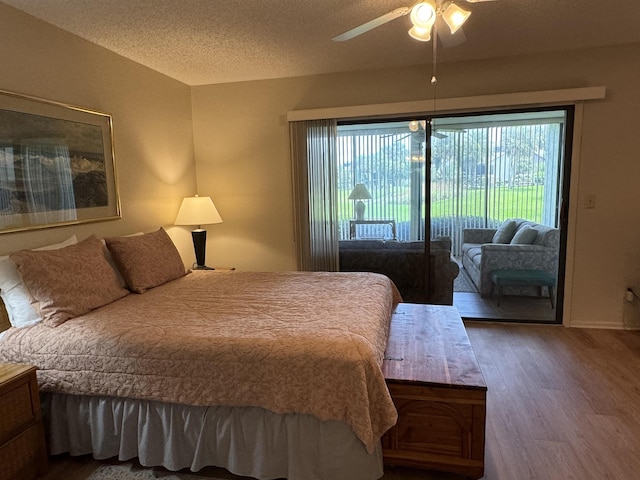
(537, 278)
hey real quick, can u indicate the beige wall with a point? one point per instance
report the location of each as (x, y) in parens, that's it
(242, 160)
(151, 113)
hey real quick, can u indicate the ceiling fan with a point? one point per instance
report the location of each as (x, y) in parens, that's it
(419, 126)
(423, 16)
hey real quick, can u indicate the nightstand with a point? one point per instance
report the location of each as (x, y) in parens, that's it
(23, 453)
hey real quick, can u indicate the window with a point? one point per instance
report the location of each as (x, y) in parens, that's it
(484, 169)
(388, 159)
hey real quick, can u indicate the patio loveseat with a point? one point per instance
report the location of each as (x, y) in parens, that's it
(403, 262)
(517, 245)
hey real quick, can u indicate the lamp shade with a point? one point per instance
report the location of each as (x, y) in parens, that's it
(454, 16)
(423, 14)
(359, 192)
(197, 211)
(419, 33)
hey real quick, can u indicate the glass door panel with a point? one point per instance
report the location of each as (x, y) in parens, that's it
(382, 191)
(487, 169)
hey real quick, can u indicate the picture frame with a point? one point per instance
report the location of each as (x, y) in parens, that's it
(57, 164)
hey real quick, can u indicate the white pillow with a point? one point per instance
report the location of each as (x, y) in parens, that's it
(14, 294)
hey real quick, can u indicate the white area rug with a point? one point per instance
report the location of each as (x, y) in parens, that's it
(129, 472)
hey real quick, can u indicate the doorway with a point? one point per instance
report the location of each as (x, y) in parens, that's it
(485, 169)
(489, 169)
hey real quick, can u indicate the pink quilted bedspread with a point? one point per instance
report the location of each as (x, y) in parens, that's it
(288, 342)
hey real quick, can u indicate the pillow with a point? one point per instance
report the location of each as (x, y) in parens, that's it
(505, 232)
(524, 236)
(15, 296)
(109, 258)
(70, 281)
(146, 261)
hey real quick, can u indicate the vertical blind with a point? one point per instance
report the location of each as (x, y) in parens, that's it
(484, 169)
(313, 150)
(385, 158)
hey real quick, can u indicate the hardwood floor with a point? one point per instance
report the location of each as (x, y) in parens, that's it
(562, 404)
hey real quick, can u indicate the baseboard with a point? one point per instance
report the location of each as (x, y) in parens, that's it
(601, 325)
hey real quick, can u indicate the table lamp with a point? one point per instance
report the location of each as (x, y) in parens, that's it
(198, 211)
(359, 193)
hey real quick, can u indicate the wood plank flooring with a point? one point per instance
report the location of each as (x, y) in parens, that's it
(562, 404)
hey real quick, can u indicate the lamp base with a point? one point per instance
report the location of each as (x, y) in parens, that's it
(199, 246)
(360, 210)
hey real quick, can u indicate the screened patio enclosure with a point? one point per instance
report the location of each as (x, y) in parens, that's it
(484, 169)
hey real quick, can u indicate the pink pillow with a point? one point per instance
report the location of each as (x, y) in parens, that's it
(146, 261)
(70, 281)
(17, 300)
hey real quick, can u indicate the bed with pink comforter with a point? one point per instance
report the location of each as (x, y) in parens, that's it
(289, 342)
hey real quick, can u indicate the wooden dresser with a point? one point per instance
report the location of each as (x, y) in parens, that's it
(439, 391)
(22, 447)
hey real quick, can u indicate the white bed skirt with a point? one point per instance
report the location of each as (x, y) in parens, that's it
(246, 441)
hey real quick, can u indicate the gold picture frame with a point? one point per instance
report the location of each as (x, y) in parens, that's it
(57, 164)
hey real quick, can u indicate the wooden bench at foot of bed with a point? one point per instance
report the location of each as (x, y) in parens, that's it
(439, 391)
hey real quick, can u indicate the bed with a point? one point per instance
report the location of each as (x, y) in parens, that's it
(270, 375)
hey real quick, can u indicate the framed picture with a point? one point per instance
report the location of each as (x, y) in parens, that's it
(57, 164)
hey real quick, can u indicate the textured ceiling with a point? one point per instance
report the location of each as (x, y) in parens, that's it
(215, 41)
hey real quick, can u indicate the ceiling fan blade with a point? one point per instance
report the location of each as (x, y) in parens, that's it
(376, 22)
(446, 37)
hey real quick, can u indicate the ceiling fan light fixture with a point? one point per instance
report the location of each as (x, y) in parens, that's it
(415, 125)
(423, 14)
(420, 34)
(454, 17)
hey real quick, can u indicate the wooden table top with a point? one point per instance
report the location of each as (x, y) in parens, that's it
(428, 345)
(8, 371)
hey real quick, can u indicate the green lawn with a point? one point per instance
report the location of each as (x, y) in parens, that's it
(518, 202)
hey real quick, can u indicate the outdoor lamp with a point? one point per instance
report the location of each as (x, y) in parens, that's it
(198, 211)
(359, 193)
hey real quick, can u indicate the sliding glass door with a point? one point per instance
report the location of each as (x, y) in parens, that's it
(489, 168)
(382, 204)
(484, 169)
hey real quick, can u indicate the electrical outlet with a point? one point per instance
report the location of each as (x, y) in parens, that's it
(628, 295)
(590, 200)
